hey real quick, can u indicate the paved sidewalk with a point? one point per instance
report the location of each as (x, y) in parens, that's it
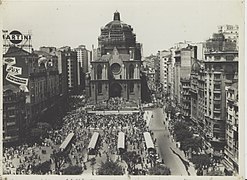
(190, 166)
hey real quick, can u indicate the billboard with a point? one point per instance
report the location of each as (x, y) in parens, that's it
(18, 39)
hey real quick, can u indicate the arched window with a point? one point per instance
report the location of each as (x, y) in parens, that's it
(99, 72)
(131, 71)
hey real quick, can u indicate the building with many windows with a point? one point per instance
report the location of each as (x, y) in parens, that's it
(197, 96)
(231, 151)
(221, 71)
(13, 113)
(184, 59)
(164, 57)
(70, 71)
(36, 74)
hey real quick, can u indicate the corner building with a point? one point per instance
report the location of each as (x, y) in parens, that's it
(221, 71)
(116, 73)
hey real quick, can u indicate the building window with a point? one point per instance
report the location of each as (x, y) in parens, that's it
(131, 87)
(99, 88)
(131, 71)
(217, 76)
(99, 72)
(217, 57)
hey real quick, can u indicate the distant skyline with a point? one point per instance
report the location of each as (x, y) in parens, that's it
(158, 25)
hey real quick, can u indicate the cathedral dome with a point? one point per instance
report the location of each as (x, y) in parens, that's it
(117, 32)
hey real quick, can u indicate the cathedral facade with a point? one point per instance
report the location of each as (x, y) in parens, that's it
(116, 71)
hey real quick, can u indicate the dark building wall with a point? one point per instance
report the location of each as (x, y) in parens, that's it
(13, 115)
(43, 81)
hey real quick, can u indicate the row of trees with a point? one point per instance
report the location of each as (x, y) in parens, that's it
(184, 135)
(193, 145)
(108, 167)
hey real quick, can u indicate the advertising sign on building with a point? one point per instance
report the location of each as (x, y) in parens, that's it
(16, 38)
(17, 80)
(9, 60)
(14, 70)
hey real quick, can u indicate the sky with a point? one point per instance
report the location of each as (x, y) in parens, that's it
(158, 24)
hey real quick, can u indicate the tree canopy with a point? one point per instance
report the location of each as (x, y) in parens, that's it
(194, 143)
(159, 170)
(201, 160)
(59, 158)
(42, 168)
(110, 168)
(131, 158)
(72, 170)
(182, 131)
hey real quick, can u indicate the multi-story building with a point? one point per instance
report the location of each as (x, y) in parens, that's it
(117, 72)
(36, 75)
(171, 75)
(185, 97)
(231, 151)
(83, 61)
(164, 57)
(69, 65)
(151, 79)
(62, 67)
(221, 71)
(82, 57)
(13, 113)
(197, 96)
(230, 32)
(157, 70)
(183, 61)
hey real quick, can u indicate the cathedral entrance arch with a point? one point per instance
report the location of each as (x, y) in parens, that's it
(115, 90)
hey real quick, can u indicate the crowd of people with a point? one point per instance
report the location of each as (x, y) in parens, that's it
(83, 125)
(115, 103)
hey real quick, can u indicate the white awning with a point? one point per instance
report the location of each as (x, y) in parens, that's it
(93, 141)
(66, 141)
(148, 140)
(121, 140)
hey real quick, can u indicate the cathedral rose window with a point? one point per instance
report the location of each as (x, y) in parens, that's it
(115, 68)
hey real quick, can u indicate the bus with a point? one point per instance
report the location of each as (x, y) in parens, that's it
(66, 145)
(121, 142)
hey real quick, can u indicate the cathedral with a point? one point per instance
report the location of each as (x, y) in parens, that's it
(117, 70)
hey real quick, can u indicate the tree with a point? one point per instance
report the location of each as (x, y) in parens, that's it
(201, 160)
(110, 168)
(194, 143)
(182, 131)
(159, 169)
(72, 170)
(131, 158)
(42, 168)
(59, 158)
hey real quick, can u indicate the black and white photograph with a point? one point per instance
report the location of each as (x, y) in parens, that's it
(142, 88)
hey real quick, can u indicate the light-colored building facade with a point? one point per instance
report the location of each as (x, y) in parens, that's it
(221, 71)
(197, 96)
(183, 61)
(231, 151)
(164, 57)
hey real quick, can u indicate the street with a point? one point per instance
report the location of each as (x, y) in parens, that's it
(172, 156)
